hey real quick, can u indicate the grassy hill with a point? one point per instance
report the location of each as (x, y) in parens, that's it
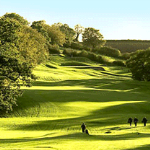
(128, 45)
(50, 113)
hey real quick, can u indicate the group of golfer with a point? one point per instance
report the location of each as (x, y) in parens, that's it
(130, 120)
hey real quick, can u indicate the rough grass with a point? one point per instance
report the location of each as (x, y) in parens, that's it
(51, 112)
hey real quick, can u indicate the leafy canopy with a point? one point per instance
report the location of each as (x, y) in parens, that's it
(52, 33)
(139, 64)
(21, 48)
(92, 38)
(17, 17)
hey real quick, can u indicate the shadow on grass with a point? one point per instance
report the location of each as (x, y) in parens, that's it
(143, 147)
(76, 136)
(120, 90)
(106, 84)
(104, 90)
(98, 118)
(113, 83)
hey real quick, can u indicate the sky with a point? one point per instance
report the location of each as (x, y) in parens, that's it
(116, 19)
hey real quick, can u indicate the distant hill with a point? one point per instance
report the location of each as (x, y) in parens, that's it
(128, 45)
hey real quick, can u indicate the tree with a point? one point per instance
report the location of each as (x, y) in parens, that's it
(78, 29)
(40, 27)
(69, 33)
(139, 64)
(21, 48)
(92, 38)
(57, 37)
(17, 17)
(32, 46)
(52, 33)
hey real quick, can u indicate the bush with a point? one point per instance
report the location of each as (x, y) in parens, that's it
(67, 45)
(108, 51)
(86, 48)
(100, 59)
(67, 52)
(76, 45)
(83, 53)
(92, 56)
(74, 53)
(54, 49)
(71, 53)
(118, 63)
(125, 56)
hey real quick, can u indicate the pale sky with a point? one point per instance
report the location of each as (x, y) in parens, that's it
(116, 19)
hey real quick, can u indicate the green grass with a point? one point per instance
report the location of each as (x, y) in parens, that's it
(73, 63)
(50, 113)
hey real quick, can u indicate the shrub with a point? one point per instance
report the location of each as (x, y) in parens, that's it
(71, 53)
(86, 48)
(76, 45)
(118, 63)
(125, 56)
(92, 56)
(67, 45)
(108, 51)
(74, 53)
(54, 49)
(100, 59)
(83, 53)
(67, 52)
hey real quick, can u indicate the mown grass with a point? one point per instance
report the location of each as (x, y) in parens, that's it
(51, 112)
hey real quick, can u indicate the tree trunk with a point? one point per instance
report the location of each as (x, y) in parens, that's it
(76, 39)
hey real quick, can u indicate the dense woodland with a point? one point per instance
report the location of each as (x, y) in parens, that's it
(24, 45)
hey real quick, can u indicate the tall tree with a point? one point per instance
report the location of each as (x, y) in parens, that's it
(78, 29)
(17, 17)
(92, 38)
(40, 27)
(52, 33)
(69, 33)
(57, 37)
(21, 48)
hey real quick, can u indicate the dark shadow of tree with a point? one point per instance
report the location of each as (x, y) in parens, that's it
(97, 118)
(74, 136)
(143, 147)
(120, 90)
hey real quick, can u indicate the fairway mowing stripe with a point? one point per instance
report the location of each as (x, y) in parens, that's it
(51, 88)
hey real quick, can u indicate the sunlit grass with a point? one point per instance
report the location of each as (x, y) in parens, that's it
(50, 113)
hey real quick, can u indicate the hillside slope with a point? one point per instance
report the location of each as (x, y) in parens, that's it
(50, 113)
(128, 45)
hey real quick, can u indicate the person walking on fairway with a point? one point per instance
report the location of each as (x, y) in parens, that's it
(144, 121)
(135, 121)
(130, 121)
(83, 126)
